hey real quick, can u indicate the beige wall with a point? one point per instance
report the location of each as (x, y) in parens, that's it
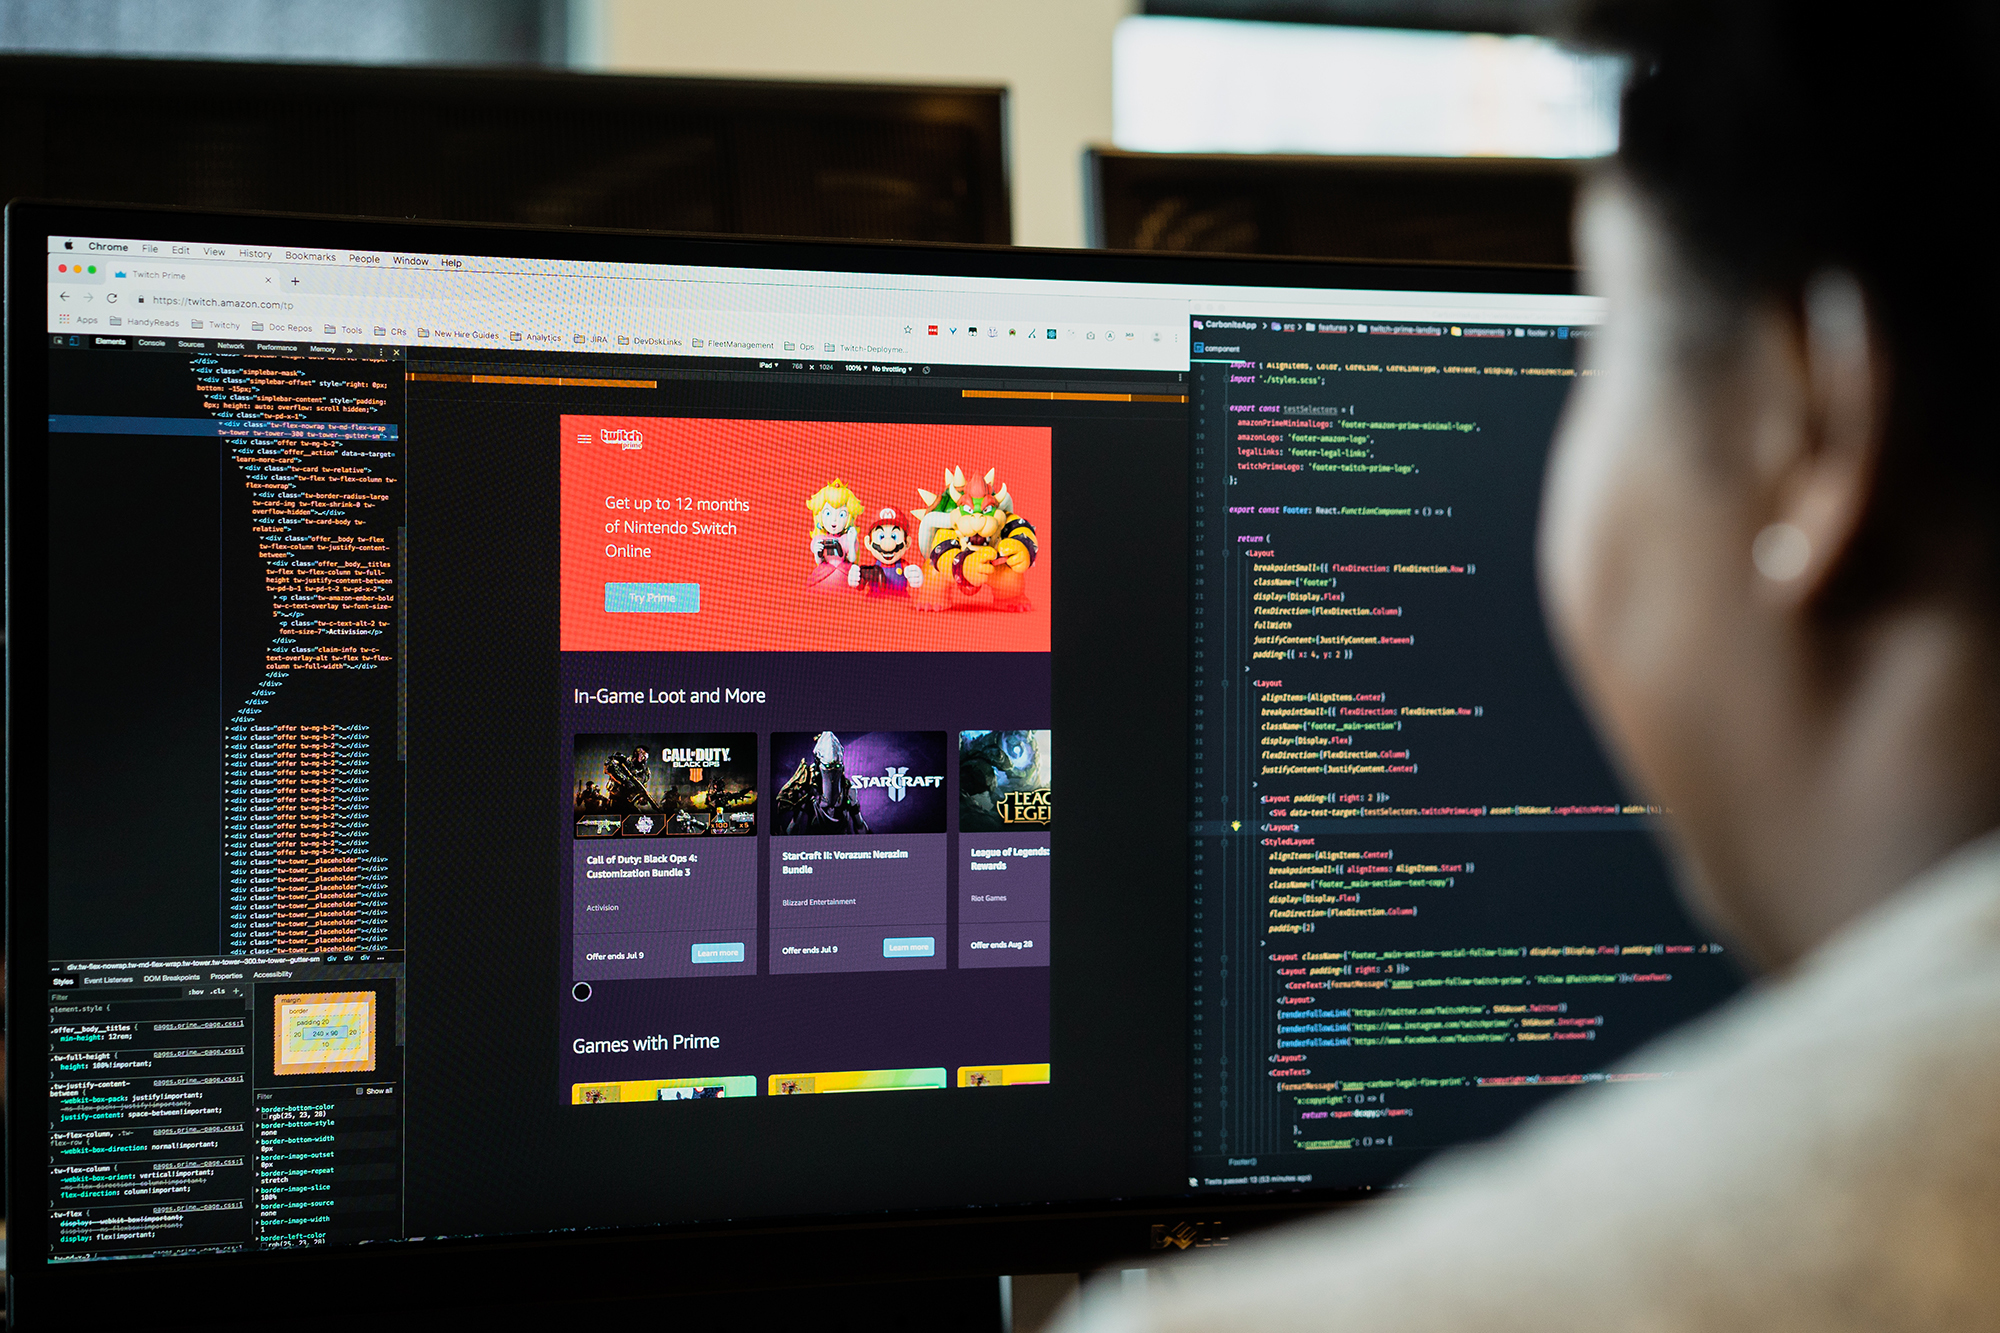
(1055, 56)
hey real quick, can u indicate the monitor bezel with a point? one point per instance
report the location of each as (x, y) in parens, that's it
(520, 1270)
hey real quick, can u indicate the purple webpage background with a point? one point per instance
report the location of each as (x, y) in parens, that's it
(887, 891)
(705, 893)
(870, 755)
(654, 954)
(902, 1018)
(857, 949)
(1005, 944)
(707, 883)
(893, 899)
(1024, 884)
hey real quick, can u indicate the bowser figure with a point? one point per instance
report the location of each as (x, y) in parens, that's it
(979, 548)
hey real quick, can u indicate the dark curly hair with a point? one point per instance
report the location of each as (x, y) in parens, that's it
(1781, 137)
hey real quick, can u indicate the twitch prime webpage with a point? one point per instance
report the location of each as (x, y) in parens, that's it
(777, 553)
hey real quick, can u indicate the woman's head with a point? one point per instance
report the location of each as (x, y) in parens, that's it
(1770, 519)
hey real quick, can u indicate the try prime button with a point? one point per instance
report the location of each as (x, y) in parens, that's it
(655, 597)
(912, 946)
(717, 953)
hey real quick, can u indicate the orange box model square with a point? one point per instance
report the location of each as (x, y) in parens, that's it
(324, 1033)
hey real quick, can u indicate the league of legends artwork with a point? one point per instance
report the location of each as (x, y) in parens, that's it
(684, 785)
(1004, 780)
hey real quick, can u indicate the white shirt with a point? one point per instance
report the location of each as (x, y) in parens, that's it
(1827, 1157)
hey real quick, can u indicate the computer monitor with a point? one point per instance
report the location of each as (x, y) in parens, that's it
(1477, 210)
(749, 156)
(503, 723)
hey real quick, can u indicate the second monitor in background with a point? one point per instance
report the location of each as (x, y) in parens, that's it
(882, 162)
(1465, 210)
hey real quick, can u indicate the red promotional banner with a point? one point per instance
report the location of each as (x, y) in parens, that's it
(684, 534)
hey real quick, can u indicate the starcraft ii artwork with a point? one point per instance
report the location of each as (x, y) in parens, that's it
(675, 785)
(858, 782)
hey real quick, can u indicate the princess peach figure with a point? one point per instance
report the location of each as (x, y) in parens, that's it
(833, 542)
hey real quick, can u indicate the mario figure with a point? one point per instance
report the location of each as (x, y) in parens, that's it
(887, 574)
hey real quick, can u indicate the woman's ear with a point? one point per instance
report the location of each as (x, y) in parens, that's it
(1820, 471)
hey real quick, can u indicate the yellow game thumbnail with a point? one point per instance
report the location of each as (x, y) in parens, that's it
(857, 1080)
(663, 1090)
(1001, 1076)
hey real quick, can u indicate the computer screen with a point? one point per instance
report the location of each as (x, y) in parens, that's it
(510, 144)
(478, 693)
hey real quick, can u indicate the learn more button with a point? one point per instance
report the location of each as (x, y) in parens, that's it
(655, 597)
(910, 946)
(717, 953)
